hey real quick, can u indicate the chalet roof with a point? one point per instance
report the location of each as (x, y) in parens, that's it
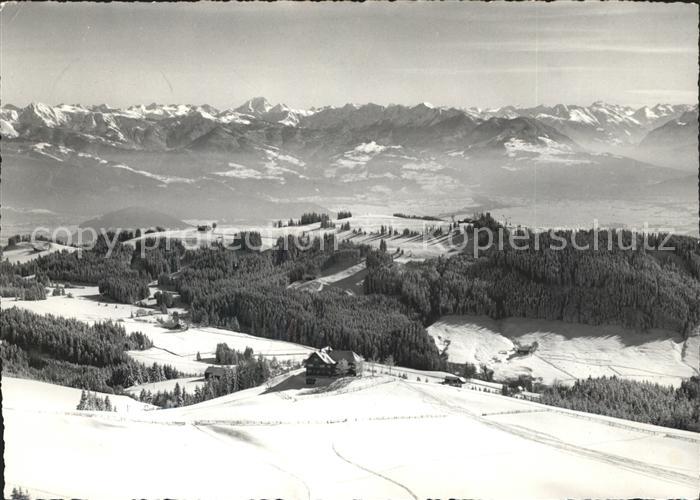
(350, 356)
(218, 370)
(332, 357)
(323, 355)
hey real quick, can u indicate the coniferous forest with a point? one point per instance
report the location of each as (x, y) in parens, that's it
(24, 288)
(249, 290)
(632, 400)
(72, 353)
(249, 371)
(122, 272)
(639, 288)
(221, 287)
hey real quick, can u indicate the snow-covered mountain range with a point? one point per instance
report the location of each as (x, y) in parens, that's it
(92, 157)
(598, 126)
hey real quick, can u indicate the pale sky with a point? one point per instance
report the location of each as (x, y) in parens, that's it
(449, 54)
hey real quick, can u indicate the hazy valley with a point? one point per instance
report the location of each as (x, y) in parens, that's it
(255, 162)
(341, 290)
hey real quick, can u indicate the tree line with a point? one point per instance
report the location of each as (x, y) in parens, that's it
(122, 273)
(310, 218)
(91, 401)
(249, 371)
(24, 288)
(419, 217)
(632, 400)
(634, 288)
(69, 352)
(221, 287)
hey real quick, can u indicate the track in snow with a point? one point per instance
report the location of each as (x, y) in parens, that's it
(545, 439)
(375, 473)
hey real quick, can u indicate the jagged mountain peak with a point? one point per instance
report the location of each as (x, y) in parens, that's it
(599, 126)
(424, 105)
(37, 113)
(256, 106)
(498, 132)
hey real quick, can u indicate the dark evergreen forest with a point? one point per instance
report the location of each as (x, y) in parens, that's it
(632, 400)
(72, 353)
(636, 288)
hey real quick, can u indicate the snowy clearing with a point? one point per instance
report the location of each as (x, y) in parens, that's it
(26, 252)
(23, 394)
(415, 248)
(177, 348)
(187, 383)
(567, 351)
(319, 283)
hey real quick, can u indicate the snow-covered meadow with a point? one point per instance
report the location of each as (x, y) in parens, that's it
(426, 440)
(567, 351)
(177, 348)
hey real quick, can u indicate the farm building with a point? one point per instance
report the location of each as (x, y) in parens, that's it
(215, 372)
(454, 380)
(330, 363)
(524, 350)
(530, 396)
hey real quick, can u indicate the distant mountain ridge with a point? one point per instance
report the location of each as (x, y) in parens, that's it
(134, 218)
(260, 159)
(673, 144)
(171, 126)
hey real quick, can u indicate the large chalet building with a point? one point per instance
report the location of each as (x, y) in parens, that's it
(331, 363)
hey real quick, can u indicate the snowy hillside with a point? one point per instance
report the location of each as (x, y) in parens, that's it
(297, 443)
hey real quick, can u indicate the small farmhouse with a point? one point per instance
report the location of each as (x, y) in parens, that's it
(454, 380)
(524, 350)
(214, 372)
(331, 363)
(530, 396)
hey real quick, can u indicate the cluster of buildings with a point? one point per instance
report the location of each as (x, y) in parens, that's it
(332, 363)
(328, 363)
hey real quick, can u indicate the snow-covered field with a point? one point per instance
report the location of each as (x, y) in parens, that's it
(31, 395)
(25, 252)
(192, 238)
(415, 248)
(567, 351)
(187, 383)
(162, 357)
(367, 438)
(174, 347)
(320, 283)
(84, 305)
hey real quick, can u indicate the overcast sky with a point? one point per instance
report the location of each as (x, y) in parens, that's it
(452, 54)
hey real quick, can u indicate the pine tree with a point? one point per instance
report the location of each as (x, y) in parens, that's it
(235, 325)
(19, 494)
(177, 395)
(83, 401)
